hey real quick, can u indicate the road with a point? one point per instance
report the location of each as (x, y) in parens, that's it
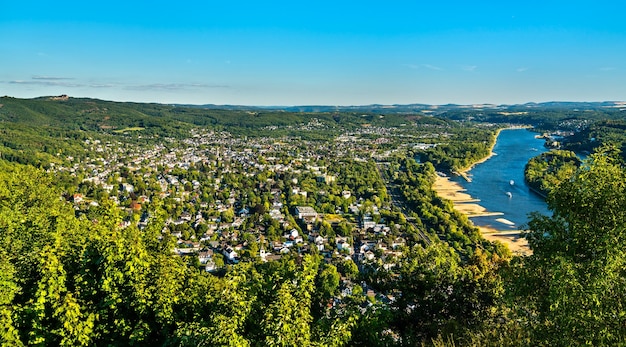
(397, 200)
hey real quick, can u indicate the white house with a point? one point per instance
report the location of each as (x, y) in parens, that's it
(230, 255)
(306, 212)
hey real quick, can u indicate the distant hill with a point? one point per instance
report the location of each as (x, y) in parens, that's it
(109, 116)
(413, 108)
(324, 108)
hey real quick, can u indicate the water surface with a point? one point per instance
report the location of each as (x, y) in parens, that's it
(499, 181)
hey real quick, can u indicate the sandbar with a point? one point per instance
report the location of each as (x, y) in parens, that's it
(513, 239)
(465, 204)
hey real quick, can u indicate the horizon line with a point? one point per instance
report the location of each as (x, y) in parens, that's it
(327, 105)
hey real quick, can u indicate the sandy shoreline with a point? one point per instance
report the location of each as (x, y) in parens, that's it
(467, 205)
(463, 172)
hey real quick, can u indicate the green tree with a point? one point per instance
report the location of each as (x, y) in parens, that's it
(8, 289)
(40, 246)
(573, 286)
(227, 216)
(326, 287)
(348, 268)
(437, 294)
(218, 322)
(287, 322)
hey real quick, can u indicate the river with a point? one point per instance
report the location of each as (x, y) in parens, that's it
(499, 181)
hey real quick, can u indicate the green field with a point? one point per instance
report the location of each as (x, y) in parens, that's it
(128, 129)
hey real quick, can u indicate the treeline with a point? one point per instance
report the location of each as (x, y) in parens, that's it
(39, 146)
(572, 117)
(546, 171)
(468, 145)
(100, 115)
(438, 215)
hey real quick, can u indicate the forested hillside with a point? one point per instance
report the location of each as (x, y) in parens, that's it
(546, 171)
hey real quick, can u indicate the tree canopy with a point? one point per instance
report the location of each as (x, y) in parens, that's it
(572, 287)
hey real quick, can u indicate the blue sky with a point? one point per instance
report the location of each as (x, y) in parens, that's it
(315, 52)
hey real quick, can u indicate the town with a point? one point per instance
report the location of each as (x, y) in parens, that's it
(227, 199)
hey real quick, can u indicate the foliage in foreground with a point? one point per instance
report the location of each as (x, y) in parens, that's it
(72, 281)
(572, 289)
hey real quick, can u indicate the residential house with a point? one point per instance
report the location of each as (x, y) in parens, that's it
(205, 255)
(306, 213)
(367, 222)
(230, 254)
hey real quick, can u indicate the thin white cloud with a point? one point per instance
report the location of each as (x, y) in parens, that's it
(99, 85)
(432, 67)
(411, 66)
(46, 83)
(174, 86)
(607, 68)
(51, 78)
(470, 68)
(69, 82)
(522, 69)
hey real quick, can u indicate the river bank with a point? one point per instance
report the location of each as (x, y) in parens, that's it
(470, 206)
(490, 220)
(464, 171)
